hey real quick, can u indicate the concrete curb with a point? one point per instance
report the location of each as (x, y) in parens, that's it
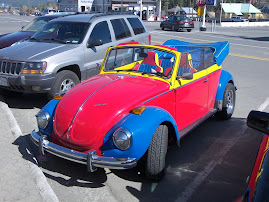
(46, 191)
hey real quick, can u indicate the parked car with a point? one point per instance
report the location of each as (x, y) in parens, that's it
(238, 19)
(66, 51)
(27, 31)
(48, 11)
(258, 182)
(145, 97)
(177, 22)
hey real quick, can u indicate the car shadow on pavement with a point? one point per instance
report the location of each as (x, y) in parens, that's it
(213, 161)
(64, 172)
(230, 145)
(25, 100)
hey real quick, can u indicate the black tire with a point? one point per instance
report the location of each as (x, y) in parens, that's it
(189, 30)
(156, 153)
(228, 102)
(64, 81)
(162, 27)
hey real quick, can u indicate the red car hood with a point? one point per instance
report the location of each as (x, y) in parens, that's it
(89, 110)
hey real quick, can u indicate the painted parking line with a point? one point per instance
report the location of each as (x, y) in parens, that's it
(192, 187)
(247, 56)
(232, 54)
(218, 157)
(263, 105)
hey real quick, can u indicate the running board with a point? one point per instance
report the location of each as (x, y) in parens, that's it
(196, 123)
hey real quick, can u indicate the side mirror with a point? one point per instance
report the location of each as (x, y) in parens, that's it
(259, 121)
(94, 42)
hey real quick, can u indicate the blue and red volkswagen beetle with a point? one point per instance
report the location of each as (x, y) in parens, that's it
(145, 97)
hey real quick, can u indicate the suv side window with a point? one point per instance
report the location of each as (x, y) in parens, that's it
(136, 25)
(120, 28)
(101, 31)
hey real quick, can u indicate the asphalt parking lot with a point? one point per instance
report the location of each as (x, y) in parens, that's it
(211, 164)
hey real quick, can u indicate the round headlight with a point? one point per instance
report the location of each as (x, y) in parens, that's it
(42, 119)
(122, 138)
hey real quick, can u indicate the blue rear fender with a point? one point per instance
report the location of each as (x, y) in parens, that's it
(50, 108)
(225, 78)
(142, 128)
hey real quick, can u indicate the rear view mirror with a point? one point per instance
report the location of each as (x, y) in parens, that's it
(259, 121)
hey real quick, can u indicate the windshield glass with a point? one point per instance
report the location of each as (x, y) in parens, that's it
(61, 32)
(35, 24)
(182, 18)
(141, 59)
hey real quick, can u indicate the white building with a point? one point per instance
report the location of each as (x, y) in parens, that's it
(85, 5)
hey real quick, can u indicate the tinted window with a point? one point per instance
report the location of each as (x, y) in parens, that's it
(101, 31)
(120, 28)
(182, 18)
(136, 25)
(61, 32)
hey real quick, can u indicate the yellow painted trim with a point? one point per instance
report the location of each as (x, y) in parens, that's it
(172, 81)
(130, 66)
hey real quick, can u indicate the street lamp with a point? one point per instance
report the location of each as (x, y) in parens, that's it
(220, 12)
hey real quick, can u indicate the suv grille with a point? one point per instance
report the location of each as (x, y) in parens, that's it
(10, 67)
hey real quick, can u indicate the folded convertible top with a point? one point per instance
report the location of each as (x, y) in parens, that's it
(221, 49)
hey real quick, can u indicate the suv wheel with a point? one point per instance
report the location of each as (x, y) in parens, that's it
(64, 81)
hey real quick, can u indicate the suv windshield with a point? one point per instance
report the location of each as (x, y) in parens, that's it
(140, 59)
(62, 32)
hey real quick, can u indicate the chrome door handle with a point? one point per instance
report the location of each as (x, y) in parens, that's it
(205, 81)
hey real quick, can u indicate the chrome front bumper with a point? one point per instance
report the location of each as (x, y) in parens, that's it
(90, 159)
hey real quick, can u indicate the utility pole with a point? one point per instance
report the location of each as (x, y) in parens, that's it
(220, 12)
(141, 9)
(28, 7)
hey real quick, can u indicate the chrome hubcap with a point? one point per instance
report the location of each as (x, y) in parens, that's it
(66, 85)
(230, 102)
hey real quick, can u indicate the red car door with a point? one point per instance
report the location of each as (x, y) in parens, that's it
(191, 101)
(191, 94)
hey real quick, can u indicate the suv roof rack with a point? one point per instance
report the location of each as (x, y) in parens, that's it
(96, 14)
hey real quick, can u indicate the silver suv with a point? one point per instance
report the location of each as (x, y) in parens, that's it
(66, 51)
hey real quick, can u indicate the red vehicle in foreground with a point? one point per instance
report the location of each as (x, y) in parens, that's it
(258, 182)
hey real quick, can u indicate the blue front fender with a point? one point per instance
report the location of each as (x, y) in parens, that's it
(50, 108)
(225, 78)
(142, 128)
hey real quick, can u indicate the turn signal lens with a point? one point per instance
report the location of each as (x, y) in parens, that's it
(31, 71)
(138, 110)
(59, 96)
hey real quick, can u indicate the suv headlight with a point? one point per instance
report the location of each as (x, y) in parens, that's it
(122, 138)
(33, 67)
(42, 119)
